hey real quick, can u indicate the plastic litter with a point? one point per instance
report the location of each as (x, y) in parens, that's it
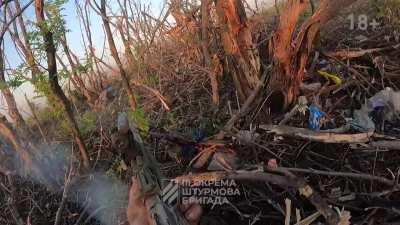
(302, 103)
(314, 119)
(387, 99)
(331, 77)
(361, 121)
(122, 123)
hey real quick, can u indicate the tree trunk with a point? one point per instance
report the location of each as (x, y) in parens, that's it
(213, 65)
(53, 79)
(289, 53)
(36, 119)
(114, 53)
(8, 95)
(241, 55)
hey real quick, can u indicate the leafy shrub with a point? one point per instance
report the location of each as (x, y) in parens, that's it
(140, 119)
(87, 123)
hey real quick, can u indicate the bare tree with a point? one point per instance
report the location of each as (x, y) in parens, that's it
(124, 32)
(95, 78)
(53, 79)
(24, 43)
(8, 95)
(78, 82)
(114, 53)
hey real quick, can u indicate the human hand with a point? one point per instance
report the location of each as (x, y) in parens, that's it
(138, 213)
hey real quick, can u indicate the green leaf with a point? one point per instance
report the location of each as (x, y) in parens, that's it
(139, 118)
(87, 123)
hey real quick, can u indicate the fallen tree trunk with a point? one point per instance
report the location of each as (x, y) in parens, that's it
(324, 137)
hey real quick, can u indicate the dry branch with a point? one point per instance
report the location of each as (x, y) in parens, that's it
(229, 125)
(324, 137)
(7, 93)
(361, 176)
(347, 54)
(114, 53)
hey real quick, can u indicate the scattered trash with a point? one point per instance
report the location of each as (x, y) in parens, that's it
(314, 119)
(331, 77)
(302, 105)
(387, 99)
(361, 121)
(122, 123)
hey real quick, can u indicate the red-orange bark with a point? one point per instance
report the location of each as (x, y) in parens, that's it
(242, 57)
(289, 53)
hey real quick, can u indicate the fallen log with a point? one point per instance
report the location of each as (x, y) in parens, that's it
(324, 137)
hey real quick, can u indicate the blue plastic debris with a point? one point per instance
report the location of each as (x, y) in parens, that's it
(197, 135)
(314, 118)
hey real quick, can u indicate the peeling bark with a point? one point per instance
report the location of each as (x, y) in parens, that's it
(289, 53)
(242, 57)
(216, 71)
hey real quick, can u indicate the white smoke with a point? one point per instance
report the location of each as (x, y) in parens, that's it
(102, 197)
